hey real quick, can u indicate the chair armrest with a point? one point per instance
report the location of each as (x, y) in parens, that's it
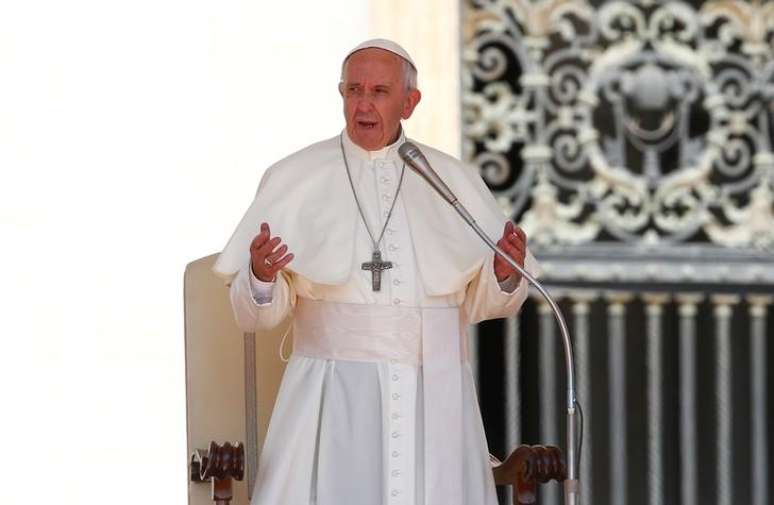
(525, 468)
(219, 465)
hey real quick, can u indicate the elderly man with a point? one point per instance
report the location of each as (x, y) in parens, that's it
(377, 404)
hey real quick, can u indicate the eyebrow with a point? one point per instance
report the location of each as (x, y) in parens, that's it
(358, 84)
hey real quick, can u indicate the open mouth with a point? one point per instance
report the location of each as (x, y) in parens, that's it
(368, 125)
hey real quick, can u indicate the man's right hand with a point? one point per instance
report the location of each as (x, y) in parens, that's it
(267, 257)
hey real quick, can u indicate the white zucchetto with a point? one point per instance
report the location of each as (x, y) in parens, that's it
(384, 44)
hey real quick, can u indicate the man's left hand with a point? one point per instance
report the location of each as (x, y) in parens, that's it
(513, 242)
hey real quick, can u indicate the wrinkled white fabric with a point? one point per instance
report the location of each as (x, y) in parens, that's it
(350, 432)
(307, 200)
(349, 404)
(431, 337)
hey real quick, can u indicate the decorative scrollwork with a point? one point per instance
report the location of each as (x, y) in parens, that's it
(641, 123)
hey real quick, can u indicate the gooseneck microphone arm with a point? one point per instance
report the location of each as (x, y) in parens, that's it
(417, 161)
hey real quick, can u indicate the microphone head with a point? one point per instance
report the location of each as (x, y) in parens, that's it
(414, 158)
(411, 154)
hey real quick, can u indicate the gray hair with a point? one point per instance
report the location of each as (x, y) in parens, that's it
(409, 73)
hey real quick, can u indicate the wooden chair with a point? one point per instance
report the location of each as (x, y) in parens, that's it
(230, 393)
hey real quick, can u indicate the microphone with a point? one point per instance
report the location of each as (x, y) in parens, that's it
(417, 161)
(414, 158)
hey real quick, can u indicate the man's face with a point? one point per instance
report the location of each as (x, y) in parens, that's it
(375, 98)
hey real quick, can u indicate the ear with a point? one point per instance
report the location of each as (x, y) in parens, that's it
(341, 88)
(412, 99)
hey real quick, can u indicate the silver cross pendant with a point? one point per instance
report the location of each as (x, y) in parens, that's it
(376, 265)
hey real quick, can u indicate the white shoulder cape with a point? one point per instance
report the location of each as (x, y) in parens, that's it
(307, 201)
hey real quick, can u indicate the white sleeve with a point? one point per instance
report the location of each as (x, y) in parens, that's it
(254, 313)
(261, 291)
(486, 298)
(509, 284)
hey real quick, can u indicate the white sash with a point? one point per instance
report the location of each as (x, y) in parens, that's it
(427, 337)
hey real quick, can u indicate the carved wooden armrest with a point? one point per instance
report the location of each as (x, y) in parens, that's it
(219, 465)
(527, 466)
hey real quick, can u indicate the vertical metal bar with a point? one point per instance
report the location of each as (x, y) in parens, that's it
(760, 437)
(689, 456)
(616, 311)
(251, 413)
(581, 310)
(655, 377)
(512, 385)
(549, 416)
(473, 355)
(512, 388)
(723, 312)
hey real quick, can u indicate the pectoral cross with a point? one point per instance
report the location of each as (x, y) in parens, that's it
(376, 265)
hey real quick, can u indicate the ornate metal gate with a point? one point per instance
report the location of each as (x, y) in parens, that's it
(633, 143)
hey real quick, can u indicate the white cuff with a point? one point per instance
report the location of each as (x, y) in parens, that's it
(509, 285)
(262, 292)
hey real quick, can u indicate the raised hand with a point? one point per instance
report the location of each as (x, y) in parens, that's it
(513, 242)
(267, 257)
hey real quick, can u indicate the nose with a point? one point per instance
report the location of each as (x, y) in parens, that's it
(364, 104)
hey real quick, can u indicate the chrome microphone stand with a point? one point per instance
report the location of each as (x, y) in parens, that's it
(571, 484)
(417, 161)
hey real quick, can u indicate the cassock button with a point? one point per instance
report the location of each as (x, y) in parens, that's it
(390, 231)
(395, 434)
(396, 415)
(395, 473)
(395, 396)
(396, 301)
(393, 247)
(395, 377)
(386, 198)
(396, 281)
(395, 454)
(394, 492)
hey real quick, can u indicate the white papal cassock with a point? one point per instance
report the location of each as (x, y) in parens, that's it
(377, 405)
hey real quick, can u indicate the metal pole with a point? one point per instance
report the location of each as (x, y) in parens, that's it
(571, 485)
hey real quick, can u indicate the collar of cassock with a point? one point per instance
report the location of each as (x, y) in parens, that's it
(389, 152)
(307, 201)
